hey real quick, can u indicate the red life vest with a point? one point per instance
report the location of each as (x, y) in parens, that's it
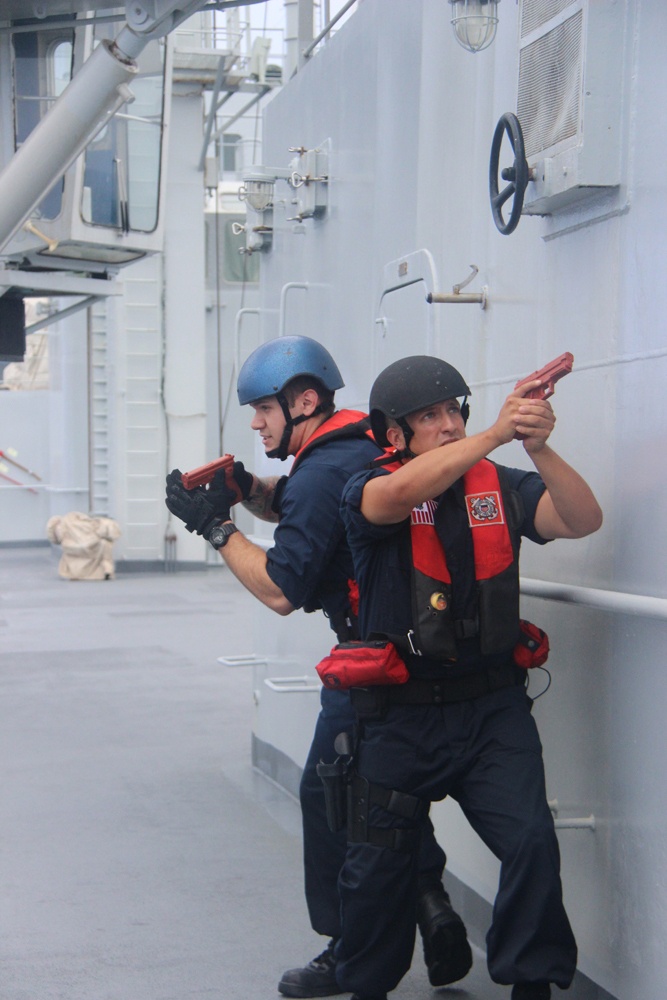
(342, 424)
(496, 572)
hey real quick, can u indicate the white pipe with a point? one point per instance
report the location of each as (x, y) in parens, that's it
(291, 8)
(45, 488)
(237, 334)
(84, 107)
(57, 316)
(605, 600)
(283, 302)
(576, 823)
(307, 52)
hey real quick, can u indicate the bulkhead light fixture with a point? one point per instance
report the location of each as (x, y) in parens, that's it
(474, 23)
(257, 191)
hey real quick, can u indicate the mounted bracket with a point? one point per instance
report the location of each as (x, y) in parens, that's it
(573, 822)
(456, 296)
(258, 193)
(310, 179)
(307, 176)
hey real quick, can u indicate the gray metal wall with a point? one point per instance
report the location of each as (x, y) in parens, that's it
(410, 117)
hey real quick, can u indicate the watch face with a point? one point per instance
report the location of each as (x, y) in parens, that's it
(219, 535)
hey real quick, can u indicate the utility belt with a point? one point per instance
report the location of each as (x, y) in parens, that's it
(372, 702)
(381, 662)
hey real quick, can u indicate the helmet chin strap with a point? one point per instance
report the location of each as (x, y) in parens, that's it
(281, 451)
(407, 436)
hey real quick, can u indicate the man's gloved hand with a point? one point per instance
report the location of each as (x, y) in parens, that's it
(243, 479)
(196, 508)
(221, 494)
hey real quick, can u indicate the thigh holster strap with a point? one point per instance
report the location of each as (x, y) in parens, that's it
(362, 794)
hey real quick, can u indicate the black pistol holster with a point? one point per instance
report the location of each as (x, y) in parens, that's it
(349, 797)
(335, 778)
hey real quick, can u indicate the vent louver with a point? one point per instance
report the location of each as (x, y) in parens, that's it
(569, 99)
(535, 15)
(549, 101)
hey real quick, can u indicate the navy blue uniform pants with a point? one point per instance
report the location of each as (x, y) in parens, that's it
(324, 851)
(485, 753)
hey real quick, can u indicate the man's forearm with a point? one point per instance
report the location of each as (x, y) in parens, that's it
(389, 499)
(261, 498)
(568, 509)
(248, 564)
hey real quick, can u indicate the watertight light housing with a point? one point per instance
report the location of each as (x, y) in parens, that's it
(258, 192)
(474, 23)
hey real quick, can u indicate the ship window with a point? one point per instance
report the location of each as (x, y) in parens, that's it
(42, 68)
(121, 185)
(224, 263)
(60, 65)
(238, 267)
(231, 150)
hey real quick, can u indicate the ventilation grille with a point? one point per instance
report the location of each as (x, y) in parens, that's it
(535, 13)
(549, 99)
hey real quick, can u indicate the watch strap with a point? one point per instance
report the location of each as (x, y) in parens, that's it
(220, 533)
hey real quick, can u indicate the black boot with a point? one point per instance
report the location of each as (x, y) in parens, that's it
(531, 991)
(446, 950)
(317, 979)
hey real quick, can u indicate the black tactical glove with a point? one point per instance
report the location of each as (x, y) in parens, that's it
(243, 479)
(196, 508)
(221, 495)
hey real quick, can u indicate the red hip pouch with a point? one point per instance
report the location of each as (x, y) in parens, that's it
(532, 649)
(359, 664)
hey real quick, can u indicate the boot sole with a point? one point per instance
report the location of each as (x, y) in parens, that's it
(303, 992)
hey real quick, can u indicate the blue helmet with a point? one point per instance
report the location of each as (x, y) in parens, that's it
(272, 365)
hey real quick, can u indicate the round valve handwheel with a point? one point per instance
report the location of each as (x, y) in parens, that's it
(518, 174)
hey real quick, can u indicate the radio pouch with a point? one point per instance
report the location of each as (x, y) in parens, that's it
(359, 664)
(532, 649)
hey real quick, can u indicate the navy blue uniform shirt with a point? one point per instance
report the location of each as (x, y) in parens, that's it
(311, 561)
(382, 561)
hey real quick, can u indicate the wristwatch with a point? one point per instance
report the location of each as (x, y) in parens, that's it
(220, 533)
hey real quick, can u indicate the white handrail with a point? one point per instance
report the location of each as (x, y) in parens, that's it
(283, 302)
(605, 600)
(292, 685)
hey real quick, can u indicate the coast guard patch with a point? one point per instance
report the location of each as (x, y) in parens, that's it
(484, 508)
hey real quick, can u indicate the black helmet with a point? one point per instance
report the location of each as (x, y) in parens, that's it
(409, 385)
